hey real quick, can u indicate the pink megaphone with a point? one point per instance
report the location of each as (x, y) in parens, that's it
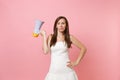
(38, 25)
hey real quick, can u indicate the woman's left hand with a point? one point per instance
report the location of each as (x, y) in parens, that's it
(71, 64)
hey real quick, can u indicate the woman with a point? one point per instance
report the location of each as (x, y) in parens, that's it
(58, 43)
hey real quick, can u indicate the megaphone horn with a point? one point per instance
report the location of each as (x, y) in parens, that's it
(38, 25)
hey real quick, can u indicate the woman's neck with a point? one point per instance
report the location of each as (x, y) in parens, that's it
(60, 34)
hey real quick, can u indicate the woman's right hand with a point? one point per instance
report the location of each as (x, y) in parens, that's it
(42, 33)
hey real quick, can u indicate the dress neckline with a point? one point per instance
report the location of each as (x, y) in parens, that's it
(60, 41)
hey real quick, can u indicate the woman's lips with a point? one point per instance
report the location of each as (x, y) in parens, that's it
(61, 28)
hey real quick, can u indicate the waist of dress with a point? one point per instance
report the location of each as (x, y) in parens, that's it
(59, 57)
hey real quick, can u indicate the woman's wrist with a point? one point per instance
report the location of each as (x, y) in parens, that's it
(76, 63)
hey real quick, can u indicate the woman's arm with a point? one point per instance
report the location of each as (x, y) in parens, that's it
(46, 42)
(82, 48)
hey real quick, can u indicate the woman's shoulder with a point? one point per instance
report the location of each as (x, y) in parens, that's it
(50, 36)
(73, 38)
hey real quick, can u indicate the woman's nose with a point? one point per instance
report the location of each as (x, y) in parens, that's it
(60, 25)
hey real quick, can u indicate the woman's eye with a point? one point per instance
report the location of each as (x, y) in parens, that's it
(58, 23)
(63, 23)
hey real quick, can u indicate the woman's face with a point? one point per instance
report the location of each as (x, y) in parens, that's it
(61, 25)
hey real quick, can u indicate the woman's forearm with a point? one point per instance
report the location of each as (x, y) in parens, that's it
(81, 55)
(45, 45)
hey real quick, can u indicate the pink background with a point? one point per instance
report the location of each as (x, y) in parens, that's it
(96, 23)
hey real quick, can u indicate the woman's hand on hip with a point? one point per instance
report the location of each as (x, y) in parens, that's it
(71, 64)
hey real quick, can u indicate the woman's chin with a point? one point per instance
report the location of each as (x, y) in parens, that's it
(61, 30)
